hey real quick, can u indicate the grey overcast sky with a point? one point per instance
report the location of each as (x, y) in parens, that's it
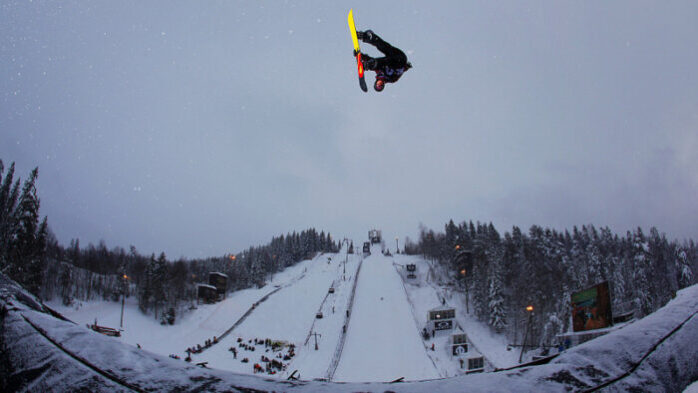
(199, 128)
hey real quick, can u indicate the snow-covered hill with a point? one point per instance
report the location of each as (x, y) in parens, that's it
(382, 341)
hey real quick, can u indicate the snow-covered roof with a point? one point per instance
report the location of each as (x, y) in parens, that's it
(219, 274)
(594, 331)
(443, 308)
(207, 286)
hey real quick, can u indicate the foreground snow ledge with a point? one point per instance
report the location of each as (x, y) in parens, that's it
(44, 353)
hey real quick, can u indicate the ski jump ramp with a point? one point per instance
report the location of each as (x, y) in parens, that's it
(382, 343)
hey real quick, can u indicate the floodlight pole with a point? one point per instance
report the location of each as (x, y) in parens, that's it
(528, 328)
(123, 300)
(124, 287)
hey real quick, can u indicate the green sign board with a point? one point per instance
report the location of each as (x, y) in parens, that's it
(591, 308)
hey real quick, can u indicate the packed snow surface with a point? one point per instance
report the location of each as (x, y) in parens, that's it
(425, 293)
(657, 353)
(383, 342)
(206, 321)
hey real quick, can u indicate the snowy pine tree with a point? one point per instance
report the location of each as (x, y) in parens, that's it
(145, 286)
(496, 300)
(642, 290)
(683, 268)
(9, 195)
(26, 264)
(66, 291)
(159, 282)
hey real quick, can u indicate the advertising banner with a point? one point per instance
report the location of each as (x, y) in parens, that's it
(443, 324)
(460, 349)
(591, 308)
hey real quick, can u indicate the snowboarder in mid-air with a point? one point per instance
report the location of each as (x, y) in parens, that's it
(388, 68)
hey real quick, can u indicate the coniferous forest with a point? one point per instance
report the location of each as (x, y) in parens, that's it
(31, 255)
(542, 267)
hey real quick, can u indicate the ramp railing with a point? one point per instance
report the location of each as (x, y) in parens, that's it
(340, 345)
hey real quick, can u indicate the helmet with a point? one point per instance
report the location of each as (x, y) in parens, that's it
(379, 85)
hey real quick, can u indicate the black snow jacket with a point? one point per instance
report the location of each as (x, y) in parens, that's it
(390, 67)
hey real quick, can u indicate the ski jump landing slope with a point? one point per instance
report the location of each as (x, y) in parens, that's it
(382, 342)
(290, 315)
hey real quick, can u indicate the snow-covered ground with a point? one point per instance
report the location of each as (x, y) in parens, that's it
(383, 341)
(195, 327)
(425, 294)
(692, 388)
(656, 353)
(290, 316)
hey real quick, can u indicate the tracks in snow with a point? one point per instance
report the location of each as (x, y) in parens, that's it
(340, 345)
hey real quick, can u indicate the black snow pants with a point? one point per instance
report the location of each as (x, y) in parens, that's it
(394, 58)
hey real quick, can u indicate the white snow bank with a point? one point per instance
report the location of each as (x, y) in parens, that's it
(657, 353)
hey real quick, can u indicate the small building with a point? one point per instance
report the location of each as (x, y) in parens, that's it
(459, 344)
(367, 248)
(220, 281)
(441, 318)
(411, 269)
(206, 293)
(374, 235)
(469, 357)
(476, 365)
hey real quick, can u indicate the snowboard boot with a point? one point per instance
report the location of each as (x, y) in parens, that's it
(366, 36)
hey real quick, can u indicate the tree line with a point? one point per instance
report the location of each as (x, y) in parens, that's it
(168, 288)
(504, 274)
(22, 236)
(543, 267)
(31, 255)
